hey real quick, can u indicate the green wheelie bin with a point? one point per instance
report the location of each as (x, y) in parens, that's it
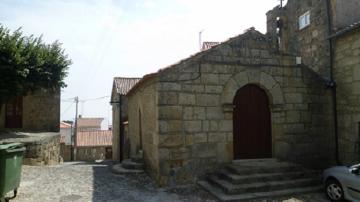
(11, 156)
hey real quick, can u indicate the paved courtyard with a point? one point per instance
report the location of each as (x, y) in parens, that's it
(79, 181)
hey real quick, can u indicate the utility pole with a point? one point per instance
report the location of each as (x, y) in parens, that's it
(200, 45)
(281, 3)
(75, 126)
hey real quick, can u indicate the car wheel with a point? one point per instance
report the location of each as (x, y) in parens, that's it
(334, 190)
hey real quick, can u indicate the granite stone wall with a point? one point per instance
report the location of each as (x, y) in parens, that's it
(116, 131)
(91, 153)
(144, 101)
(65, 152)
(347, 76)
(309, 43)
(41, 112)
(196, 117)
(43, 152)
(194, 98)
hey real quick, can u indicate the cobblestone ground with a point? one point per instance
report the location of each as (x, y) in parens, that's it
(78, 181)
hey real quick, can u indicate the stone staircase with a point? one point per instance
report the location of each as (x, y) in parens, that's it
(245, 180)
(133, 165)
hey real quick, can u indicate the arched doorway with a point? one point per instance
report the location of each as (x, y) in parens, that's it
(251, 123)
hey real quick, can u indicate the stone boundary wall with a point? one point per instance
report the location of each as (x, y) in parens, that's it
(44, 152)
(91, 153)
(41, 148)
(65, 152)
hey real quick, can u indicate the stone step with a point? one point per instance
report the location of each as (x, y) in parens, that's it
(137, 158)
(256, 161)
(246, 169)
(230, 188)
(263, 177)
(119, 169)
(218, 193)
(129, 164)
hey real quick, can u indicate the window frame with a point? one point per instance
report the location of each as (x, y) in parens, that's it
(304, 20)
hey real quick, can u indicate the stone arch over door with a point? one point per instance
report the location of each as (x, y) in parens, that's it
(270, 86)
(262, 79)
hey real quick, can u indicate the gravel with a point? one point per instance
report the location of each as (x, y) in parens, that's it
(79, 181)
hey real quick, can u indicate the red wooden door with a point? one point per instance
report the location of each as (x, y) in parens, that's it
(13, 113)
(251, 123)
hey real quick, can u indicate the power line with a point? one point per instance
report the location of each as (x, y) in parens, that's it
(64, 111)
(91, 99)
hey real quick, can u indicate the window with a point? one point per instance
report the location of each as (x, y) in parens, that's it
(304, 20)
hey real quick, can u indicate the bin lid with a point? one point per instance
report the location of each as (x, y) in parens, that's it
(10, 146)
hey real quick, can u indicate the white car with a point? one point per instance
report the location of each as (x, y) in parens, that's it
(342, 182)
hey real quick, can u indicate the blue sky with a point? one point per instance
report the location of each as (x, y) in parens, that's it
(109, 38)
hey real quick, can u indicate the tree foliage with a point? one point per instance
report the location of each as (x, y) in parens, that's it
(28, 64)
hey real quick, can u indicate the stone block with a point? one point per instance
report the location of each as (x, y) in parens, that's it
(208, 68)
(210, 78)
(224, 152)
(265, 54)
(241, 79)
(226, 125)
(174, 125)
(193, 88)
(189, 139)
(199, 113)
(179, 154)
(169, 86)
(267, 80)
(223, 78)
(207, 99)
(188, 113)
(277, 130)
(213, 89)
(214, 113)
(205, 126)
(168, 98)
(293, 116)
(229, 137)
(164, 154)
(229, 91)
(186, 99)
(163, 127)
(253, 75)
(216, 137)
(200, 138)
(169, 141)
(306, 117)
(283, 150)
(214, 126)
(192, 126)
(295, 128)
(170, 112)
(356, 88)
(204, 150)
(293, 98)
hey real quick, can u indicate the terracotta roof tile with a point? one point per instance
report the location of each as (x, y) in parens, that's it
(209, 44)
(123, 85)
(94, 138)
(65, 125)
